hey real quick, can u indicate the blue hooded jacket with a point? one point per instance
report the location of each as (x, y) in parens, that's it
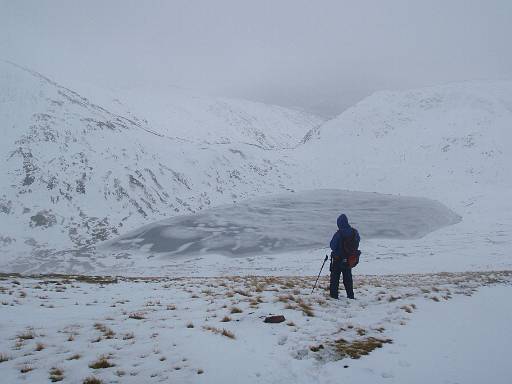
(344, 230)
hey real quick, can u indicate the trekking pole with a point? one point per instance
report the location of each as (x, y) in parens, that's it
(319, 273)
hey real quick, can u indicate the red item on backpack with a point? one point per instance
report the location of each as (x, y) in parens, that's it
(350, 246)
(353, 259)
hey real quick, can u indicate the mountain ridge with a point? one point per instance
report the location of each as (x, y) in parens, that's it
(76, 172)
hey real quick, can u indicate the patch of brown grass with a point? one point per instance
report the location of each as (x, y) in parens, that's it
(227, 333)
(95, 279)
(101, 363)
(285, 298)
(223, 332)
(407, 308)
(236, 310)
(226, 319)
(56, 374)
(107, 332)
(40, 347)
(3, 358)
(76, 356)
(306, 308)
(358, 348)
(92, 380)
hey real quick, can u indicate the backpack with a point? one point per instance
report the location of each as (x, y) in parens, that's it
(350, 246)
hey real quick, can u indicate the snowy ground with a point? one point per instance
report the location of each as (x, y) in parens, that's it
(402, 328)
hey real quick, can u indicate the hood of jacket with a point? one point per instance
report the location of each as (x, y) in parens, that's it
(343, 225)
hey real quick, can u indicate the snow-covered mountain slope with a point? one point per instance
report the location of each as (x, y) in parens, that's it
(430, 142)
(178, 113)
(74, 172)
(450, 143)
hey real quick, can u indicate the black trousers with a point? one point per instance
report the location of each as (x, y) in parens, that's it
(337, 269)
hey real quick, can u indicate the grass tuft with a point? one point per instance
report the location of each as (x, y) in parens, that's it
(92, 380)
(223, 332)
(3, 358)
(56, 374)
(236, 310)
(101, 363)
(227, 333)
(107, 332)
(40, 347)
(358, 348)
(406, 308)
(306, 308)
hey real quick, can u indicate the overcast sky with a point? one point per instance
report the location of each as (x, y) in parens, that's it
(317, 55)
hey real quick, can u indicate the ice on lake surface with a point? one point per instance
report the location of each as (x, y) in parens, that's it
(302, 220)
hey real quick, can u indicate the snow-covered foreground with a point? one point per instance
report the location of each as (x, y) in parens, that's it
(402, 328)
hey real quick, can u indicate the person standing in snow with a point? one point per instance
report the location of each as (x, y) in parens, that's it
(344, 239)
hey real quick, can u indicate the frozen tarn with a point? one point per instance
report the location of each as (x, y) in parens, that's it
(286, 222)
